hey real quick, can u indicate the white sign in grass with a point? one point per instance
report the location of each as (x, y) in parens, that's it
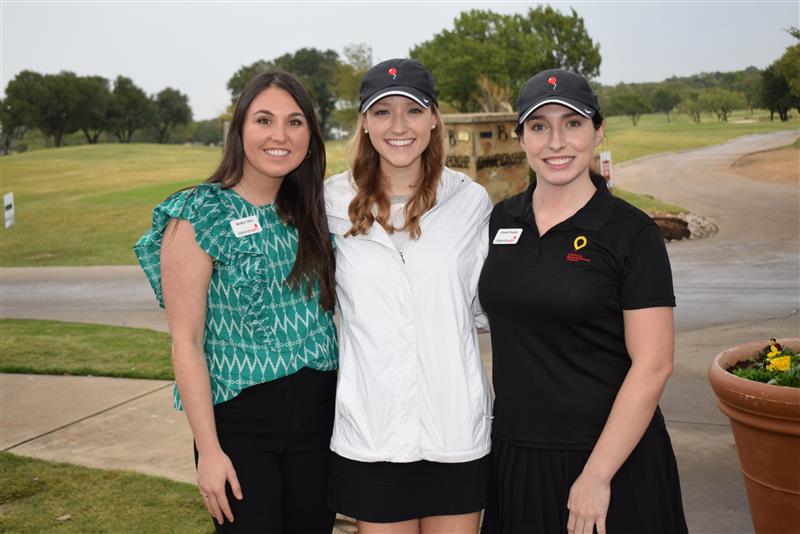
(605, 167)
(8, 208)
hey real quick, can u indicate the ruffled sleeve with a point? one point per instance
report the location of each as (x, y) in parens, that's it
(204, 208)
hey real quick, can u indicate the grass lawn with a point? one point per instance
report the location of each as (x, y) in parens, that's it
(647, 202)
(87, 205)
(654, 134)
(58, 348)
(39, 496)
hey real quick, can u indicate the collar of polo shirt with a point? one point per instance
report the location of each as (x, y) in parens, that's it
(590, 217)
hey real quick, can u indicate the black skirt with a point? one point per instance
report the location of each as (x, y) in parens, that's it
(528, 489)
(386, 492)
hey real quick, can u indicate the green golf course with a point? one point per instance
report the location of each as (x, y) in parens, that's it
(87, 204)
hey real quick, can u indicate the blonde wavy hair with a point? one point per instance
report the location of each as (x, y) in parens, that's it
(371, 202)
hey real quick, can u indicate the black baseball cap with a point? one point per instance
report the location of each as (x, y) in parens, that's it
(557, 86)
(403, 77)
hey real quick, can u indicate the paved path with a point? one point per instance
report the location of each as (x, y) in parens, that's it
(751, 268)
(738, 286)
(118, 295)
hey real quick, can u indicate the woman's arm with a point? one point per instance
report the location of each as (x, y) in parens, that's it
(650, 340)
(185, 277)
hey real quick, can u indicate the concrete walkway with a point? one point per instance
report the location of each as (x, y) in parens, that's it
(738, 286)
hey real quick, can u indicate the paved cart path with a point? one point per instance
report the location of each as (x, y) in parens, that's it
(740, 285)
(750, 270)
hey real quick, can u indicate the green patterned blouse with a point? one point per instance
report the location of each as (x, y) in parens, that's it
(257, 328)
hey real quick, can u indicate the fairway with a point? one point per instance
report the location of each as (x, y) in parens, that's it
(87, 205)
(654, 134)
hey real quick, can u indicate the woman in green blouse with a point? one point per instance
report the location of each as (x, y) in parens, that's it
(243, 265)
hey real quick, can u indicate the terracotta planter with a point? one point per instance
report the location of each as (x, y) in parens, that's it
(766, 427)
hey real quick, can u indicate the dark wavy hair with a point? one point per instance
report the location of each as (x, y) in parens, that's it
(300, 201)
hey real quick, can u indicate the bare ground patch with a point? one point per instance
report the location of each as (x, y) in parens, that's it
(781, 165)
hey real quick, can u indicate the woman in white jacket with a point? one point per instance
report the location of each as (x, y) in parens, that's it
(413, 407)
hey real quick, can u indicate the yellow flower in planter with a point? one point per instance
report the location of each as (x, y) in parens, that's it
(779, 364)
(775, 349)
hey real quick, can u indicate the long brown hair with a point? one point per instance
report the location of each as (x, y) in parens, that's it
(300, 201)
(371, 193)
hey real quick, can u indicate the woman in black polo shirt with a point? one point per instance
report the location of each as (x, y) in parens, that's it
(578, 290)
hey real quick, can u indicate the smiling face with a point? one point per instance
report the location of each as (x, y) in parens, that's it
(275, 136)
(559, 144)
(399, 130)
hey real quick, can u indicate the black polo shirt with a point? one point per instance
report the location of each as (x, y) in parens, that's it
(555, 306)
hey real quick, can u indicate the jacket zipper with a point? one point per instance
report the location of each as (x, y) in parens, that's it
(401, 256)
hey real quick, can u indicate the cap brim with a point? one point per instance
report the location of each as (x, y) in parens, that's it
(581, 109)
(414, 94)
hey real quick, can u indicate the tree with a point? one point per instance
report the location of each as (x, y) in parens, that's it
(94, 104)
(58, 112)
(692, 105)
(357, 59)
(12, 125)
(20, 109)
(780, 82)
(664, 101)
(349, 72)
(316, 70)
(567, 43)
(48, 102)
(208, 132)
(752, 93)
(722, 102)
(494, 97)
(505, 50)
(244, 75)
(788, 65)
(171, 107)
(130, 109)
(629, 104)
(776, 94)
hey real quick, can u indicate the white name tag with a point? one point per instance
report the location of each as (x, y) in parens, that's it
(245, 226)
(507, 236)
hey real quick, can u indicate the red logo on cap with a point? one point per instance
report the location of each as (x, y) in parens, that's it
(552, 81)
(393, 73)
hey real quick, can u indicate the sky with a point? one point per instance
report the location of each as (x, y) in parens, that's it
(196, 46)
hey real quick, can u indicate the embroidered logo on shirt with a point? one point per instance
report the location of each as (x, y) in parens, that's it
(578, 244)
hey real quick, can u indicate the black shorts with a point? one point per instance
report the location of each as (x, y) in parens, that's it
(386, 492)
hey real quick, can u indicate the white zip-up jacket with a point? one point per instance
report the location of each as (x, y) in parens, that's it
(411, 383)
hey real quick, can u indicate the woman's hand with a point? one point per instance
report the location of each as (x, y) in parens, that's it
(588, 503)
(214, 470)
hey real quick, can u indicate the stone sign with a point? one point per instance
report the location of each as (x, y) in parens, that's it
(485, 147)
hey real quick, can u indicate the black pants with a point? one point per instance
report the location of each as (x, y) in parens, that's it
(277, 435)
